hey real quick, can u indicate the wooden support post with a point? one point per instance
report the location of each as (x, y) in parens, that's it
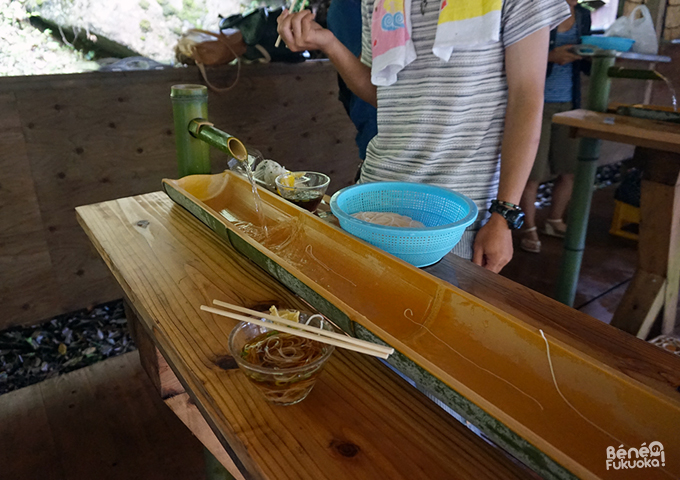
(657, 8)
(173, 394)
(641, 304)
(657, 280)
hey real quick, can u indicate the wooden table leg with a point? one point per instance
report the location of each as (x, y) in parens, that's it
(657, 279)
(219, 464)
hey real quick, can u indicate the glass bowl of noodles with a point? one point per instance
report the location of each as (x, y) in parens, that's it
(282, 366)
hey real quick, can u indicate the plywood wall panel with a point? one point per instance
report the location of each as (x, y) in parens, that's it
(94, 137)
(26, 270)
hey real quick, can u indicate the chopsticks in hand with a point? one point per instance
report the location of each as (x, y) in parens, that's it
(300, 330)
(293, 3)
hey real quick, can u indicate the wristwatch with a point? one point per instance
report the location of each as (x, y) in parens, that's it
(509, 211)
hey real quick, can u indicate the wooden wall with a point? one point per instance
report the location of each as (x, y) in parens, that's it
(69, 140)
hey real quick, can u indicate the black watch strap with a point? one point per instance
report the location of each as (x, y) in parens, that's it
(512, 213)
(506, 204)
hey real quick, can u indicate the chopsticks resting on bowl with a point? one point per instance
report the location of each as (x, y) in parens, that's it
(292, 10)
(300, 330)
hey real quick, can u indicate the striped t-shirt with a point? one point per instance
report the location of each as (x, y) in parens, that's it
(442, 122)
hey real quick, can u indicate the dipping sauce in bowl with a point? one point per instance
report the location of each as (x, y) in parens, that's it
(282, 366)
(304, 189)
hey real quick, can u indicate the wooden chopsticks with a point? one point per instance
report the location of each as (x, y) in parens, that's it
(292, 10)
(300, 330)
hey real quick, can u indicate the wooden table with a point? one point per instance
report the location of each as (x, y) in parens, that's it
(657, 279)
(362, 421)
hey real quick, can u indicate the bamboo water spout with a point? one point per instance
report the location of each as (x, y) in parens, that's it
(203, 130)
(194, 134)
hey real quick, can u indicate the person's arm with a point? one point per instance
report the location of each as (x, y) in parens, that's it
(562, 55)
(525, 64)
(301, 32)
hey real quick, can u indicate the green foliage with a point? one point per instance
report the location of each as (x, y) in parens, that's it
(252, 5)
(144, 4)
(145, 25)
(169, 10)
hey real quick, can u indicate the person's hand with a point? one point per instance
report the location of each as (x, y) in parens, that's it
(301, 32)
(562, 55)
(493, 244)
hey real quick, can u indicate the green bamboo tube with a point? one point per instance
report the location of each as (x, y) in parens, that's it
(581, 197)
(633, 73)
(204, 131)
(214, 470)
(189, 102)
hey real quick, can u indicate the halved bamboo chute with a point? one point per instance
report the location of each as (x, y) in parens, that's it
(557, 413)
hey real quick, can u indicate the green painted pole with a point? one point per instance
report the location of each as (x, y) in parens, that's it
(579, 206)
(189, 102)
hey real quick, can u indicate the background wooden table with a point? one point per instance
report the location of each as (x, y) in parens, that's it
(655, 286)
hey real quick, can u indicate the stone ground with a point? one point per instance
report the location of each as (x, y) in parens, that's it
(28, 51)
(150, 28)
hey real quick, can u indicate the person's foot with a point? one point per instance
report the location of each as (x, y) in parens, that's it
(530, 242)
(555, 227)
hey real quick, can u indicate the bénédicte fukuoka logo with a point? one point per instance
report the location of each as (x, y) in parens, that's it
(643, 457)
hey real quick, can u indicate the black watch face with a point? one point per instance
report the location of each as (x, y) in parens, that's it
(515, 219)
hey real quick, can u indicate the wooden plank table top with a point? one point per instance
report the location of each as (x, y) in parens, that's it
(618, 128)
(360, 421)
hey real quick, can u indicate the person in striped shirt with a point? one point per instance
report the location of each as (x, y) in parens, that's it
(470, 124)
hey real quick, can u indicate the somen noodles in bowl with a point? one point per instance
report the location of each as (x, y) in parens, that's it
(284, 367)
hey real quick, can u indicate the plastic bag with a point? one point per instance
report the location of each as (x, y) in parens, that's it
(639, 29)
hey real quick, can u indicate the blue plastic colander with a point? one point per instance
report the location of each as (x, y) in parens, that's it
(445, 214)
(608, 43)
